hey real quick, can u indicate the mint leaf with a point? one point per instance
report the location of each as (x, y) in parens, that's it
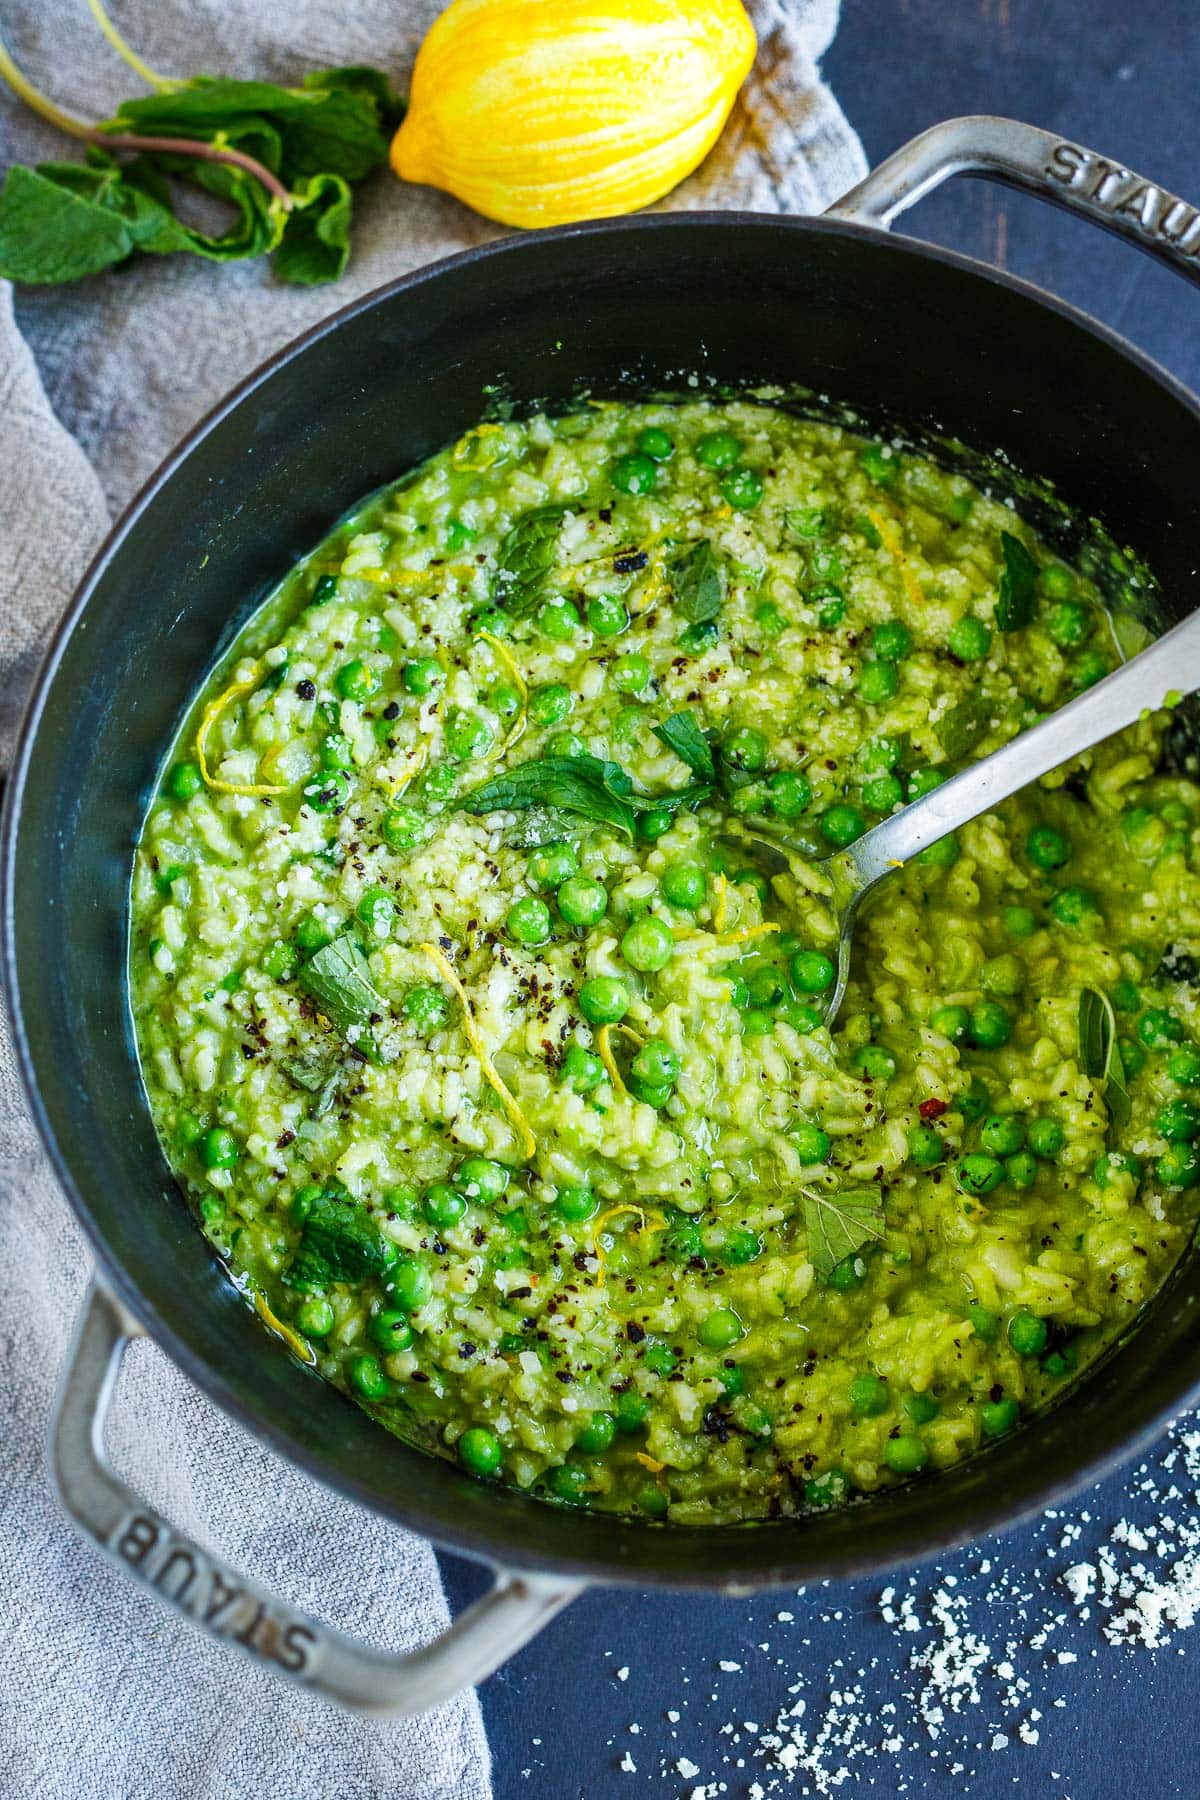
(331, 128)
(315, 246)
(1017, 599)
(965, 724)
(683, 735)
(840, 1224)
(698, 580)
(63, 221)
(585, 786)
(339, 1241)
(338, 977)
(525, 558)
(1100, 1053)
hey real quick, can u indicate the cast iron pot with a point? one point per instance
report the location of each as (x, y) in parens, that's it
(899, 330)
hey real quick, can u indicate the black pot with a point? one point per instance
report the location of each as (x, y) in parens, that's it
(895, 329)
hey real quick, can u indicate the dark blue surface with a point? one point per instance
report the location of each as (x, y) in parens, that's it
(1123, 80)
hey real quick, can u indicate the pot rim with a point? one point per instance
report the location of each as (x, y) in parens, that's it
(993, 1510)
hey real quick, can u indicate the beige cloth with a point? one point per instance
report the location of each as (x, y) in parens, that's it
(103, 1694)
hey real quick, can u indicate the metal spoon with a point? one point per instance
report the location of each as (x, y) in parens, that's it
(1169, 666)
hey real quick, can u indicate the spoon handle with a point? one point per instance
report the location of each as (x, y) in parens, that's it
(1169, 666)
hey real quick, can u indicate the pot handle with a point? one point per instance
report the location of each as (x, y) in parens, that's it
(1039, 162)
(237, 1611)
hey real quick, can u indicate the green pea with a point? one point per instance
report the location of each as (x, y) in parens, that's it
(812, 971)
(841, 824)
(651, 1499)
(528, 921)
(654, 822)
(925, 1146)
(1179, 1166)
(868, 1396)
(479, 1451)
(426, 1007)
(658, 1355)
(184, 781)
(479, 1178)
(219, 1148)
(401, 1203)
(1183, 1066)
(831, 607)
(576, 1204)
(766, 986)
(631, 673)
(632, 1410)
(943, 853)
(741, 1246)
(990, 1026)
(368, 1378)
(699, 637)
(905, 1455)
(336, 752)
(656, 1063)
(549, 703)
(1068, 623)
(648, 944)
(877, 682)
(440, 782)
(607, 615)
(923, 781)
(1090, 668)
(922, 1409)
(582, 901)
(718, 450)
(847, 1275)
(1002, 1133)
(891, 640)
(883, 793)
(468, 736)
(829, 1489)
(634, 474)
(356, 680)
(1157, 1028)
(880, 463)
(459, 534)
(757, 1022)
(1018, 921)
(654, 442)
(1047, 848)
(875, 1063)
(423, 676)
(1178, 1121)
(443, 1207)
(376, 910)
(684, 885)
(978, 1173)
(742, 488)
(1115, 1162)
(390, 1330)
(984, 1322)
(581, 1070)
(596, 1434)
(558, 619)
(410, 1284)
(770, 621)
(951, 1022)
(1027, 1333)
(881, 754)
(970, 640)
(1074, 906)
(745, 749)
(281, 960)
(1046, 1138)
(603, 1000)
(720, 1329)
(314, 1317)
(789, 794)
(750, 878)
(328, 793)
(552, 865)
(402, 828)
(812, 1144)
(998, 1417)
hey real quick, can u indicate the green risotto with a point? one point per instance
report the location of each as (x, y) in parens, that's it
(481, 945)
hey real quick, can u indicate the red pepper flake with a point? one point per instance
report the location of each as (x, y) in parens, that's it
(933, 1108)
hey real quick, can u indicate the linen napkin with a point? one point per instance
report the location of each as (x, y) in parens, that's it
(102, 1692)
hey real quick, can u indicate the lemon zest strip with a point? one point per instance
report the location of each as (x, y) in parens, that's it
(895, 549)
(649, 1462)
(420, 756)
(651, 1221)
(748, 933)
(516, 730)
(516, 1117)
(604, 1046)
(208, 719)
(302, 1348)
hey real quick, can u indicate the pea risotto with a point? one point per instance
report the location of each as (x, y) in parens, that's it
(481, 948)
